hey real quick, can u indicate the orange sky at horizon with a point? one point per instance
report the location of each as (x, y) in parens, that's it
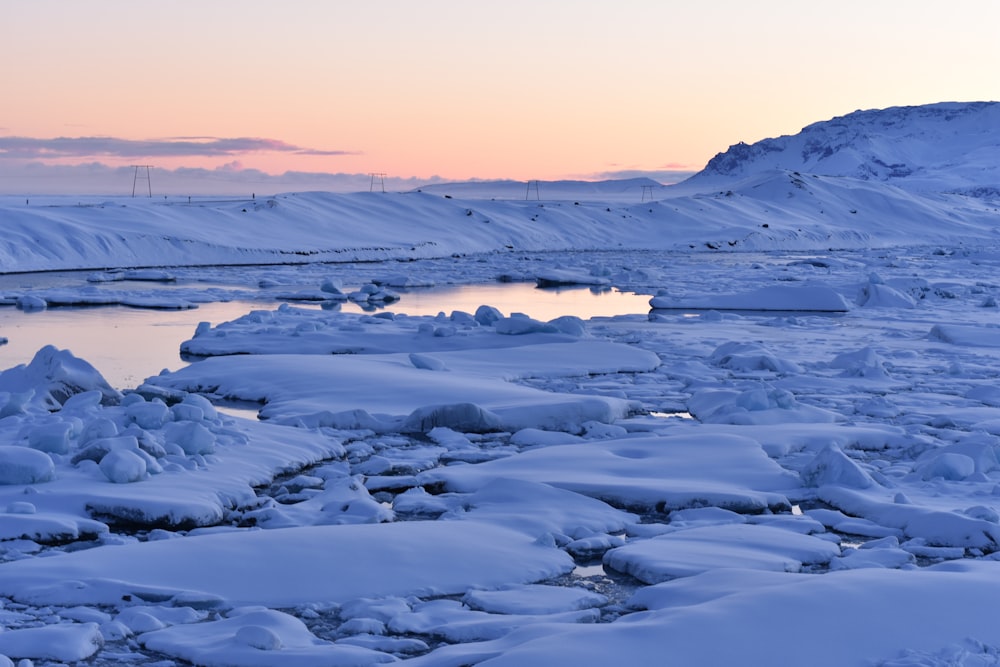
(546, 89)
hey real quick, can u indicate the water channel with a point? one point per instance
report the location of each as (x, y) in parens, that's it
(128, 344)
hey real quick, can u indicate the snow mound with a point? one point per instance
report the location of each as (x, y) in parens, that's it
(52, 377)
(642, 473)
(256, 638)
(688, 552)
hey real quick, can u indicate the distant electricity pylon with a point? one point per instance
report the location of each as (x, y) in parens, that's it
(531, 185)
(647, 189)
(381, 181)
(136, 177)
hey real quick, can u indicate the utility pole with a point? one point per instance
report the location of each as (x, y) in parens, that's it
(531, 185)
(647, 189)
(380, 176)
(136, 177)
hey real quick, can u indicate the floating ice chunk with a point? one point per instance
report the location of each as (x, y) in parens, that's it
(533, 599)
(391, 559)
(973, 336)
(569, 324)
(52, 437)
(556, 277)
(394, 645)
(891, 558)
(487, 315)
(842, 523)
(530, 437)
(192, 437)
(98, 448)
(745, 357)
(31, 302)
(357, 419)
(865, 362)
(815, 298)
(106, 276)
(937, 527)
(541, 510)
(371, 626)
(256, 638)
(661, 473)
(417, 503)
(68, 642)
(465, 417)
(832, 466)
(762, 405)
(22, 465)
(947, 465)
(151, 275)
(152, 415)
(135, 618)
(15, 403)
(453, 621)
(259, 637)
(21, 507)
(518, 325)
(122, 466)
(595, 546)
(702, 516)
(877, 295)
(403, 280)
(334, 288)
(688, 552)
(199, 401)
(83, 402)
(53, 376)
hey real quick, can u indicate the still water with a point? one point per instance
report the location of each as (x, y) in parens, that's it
(127, 345)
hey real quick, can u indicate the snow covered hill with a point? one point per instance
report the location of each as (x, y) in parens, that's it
(945, 147)
(903, 176)
(628, 190)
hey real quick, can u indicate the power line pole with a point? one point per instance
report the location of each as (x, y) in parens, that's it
(531, 184)
(136, 177)
(381, 181)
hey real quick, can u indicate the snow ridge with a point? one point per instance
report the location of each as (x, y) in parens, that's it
(943, 147)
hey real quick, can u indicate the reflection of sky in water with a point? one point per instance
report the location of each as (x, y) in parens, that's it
(127, 345)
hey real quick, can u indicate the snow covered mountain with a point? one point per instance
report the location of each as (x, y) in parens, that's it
(947, 147)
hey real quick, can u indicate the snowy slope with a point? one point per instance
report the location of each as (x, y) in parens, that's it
(902, 176)
(945, 147)
(627, 190)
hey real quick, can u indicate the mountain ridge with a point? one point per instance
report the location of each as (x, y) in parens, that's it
(942, 147)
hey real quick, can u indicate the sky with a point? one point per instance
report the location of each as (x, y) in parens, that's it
(323, 93)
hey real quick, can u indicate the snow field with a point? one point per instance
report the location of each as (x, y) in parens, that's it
(355, 560)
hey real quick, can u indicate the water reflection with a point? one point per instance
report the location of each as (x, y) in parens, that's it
(127, 345)
(539, 303)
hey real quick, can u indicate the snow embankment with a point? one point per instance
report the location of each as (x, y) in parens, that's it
(771, 210)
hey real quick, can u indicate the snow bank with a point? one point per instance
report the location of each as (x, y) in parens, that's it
(238, 568)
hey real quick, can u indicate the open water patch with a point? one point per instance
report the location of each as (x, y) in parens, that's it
(127, 345)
